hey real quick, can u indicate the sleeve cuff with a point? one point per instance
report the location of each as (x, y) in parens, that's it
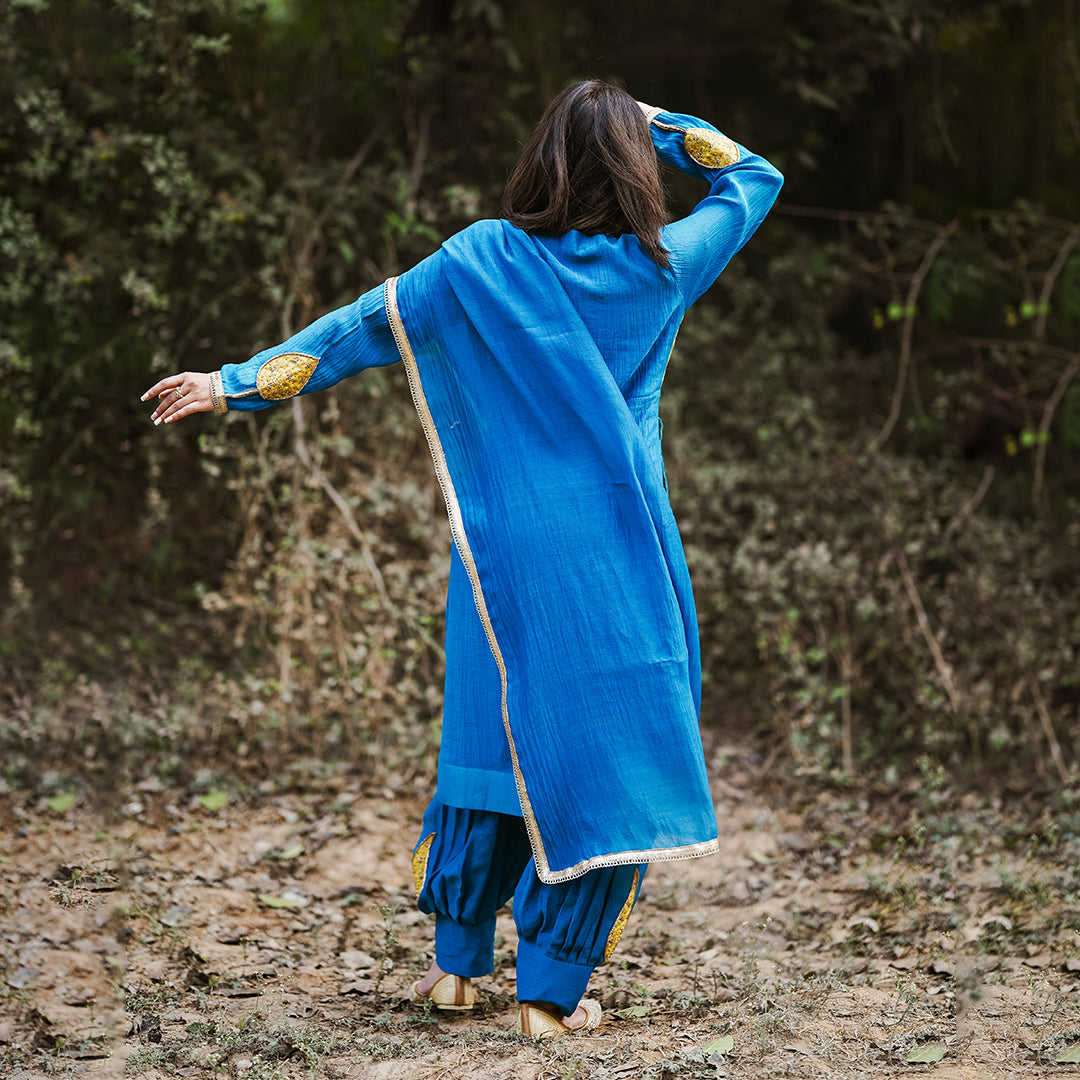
(217, 393)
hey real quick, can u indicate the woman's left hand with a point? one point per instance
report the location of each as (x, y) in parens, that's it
(181, 395)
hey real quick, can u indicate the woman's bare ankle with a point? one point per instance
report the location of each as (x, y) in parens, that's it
(434, 974)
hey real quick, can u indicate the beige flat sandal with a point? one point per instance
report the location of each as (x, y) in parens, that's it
(452, 993)
(541, 1024)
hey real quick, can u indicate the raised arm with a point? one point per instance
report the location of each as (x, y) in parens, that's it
(742, 189)
(335, 347)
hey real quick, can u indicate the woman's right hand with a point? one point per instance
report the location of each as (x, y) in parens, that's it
(183, 394)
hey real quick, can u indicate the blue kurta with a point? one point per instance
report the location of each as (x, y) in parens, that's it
(573, 672)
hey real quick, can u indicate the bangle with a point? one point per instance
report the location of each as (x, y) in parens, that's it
(217, 393)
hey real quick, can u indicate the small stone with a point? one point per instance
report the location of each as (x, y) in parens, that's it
(793, 841)
(354, 960)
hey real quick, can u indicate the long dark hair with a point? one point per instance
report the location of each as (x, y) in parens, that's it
(589, 165)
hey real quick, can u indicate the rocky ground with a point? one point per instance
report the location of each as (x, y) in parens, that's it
(850, 936)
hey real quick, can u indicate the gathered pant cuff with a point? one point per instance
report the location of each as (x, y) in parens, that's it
(540, 978)
(468, 951)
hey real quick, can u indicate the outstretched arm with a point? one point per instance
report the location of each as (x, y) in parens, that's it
(742, 189)
(335, 347)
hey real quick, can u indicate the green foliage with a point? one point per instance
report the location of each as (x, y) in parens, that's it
(187, 182)
(812, 558)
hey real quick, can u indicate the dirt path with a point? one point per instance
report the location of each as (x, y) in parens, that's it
(830, 942)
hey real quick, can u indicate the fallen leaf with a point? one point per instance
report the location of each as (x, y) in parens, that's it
(634, 1012)
(1069, 1056)
(176, 915)
(90, 1050)
(864, 920)
(797, 842)
(904, 963)
(724, 1045)
(293, 852)
(244, 990)
(214, 800)
(62, 803)
(923, 1055)
(277, 901)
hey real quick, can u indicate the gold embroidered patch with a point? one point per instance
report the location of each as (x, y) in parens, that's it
(710, 148)
(284, 375)
(419, 862)
(620, 922)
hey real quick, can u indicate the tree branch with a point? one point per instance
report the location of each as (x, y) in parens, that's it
(968, 508)
(1048, 729)
(907, 334)
(1049, 409)
(943, 669)
(1051, 279)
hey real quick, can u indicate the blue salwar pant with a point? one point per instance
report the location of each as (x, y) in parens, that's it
(469, 863)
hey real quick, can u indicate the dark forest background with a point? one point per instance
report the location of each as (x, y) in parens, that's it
(872, 421)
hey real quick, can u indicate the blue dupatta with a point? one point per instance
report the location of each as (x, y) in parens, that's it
(559, 513)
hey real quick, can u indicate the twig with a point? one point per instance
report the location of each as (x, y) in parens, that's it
(846, 664)
(1049, 409)
(302, 276)
(927, 631)
(772, 756)
(873, 217)
(1074, 64)
(1048, 729)
(1020, 345)
(1051, 279)
(416, 172)
(1013, 216)
(969, 507)
(349, 172)
(906, 335)
(338, 500)
(939, 113)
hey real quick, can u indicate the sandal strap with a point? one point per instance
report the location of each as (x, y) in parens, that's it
(541, 1023)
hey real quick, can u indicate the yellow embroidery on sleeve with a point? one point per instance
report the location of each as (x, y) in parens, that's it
(419, 862)
(710, 148)
(620, 922)
(284, 375)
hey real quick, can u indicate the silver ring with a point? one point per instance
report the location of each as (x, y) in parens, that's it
(179, 393)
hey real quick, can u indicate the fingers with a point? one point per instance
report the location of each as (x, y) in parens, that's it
(177, 411)
(180, 395)
(158, 387)
(172, 401)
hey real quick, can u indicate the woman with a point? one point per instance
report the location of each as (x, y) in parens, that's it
(535, 347)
